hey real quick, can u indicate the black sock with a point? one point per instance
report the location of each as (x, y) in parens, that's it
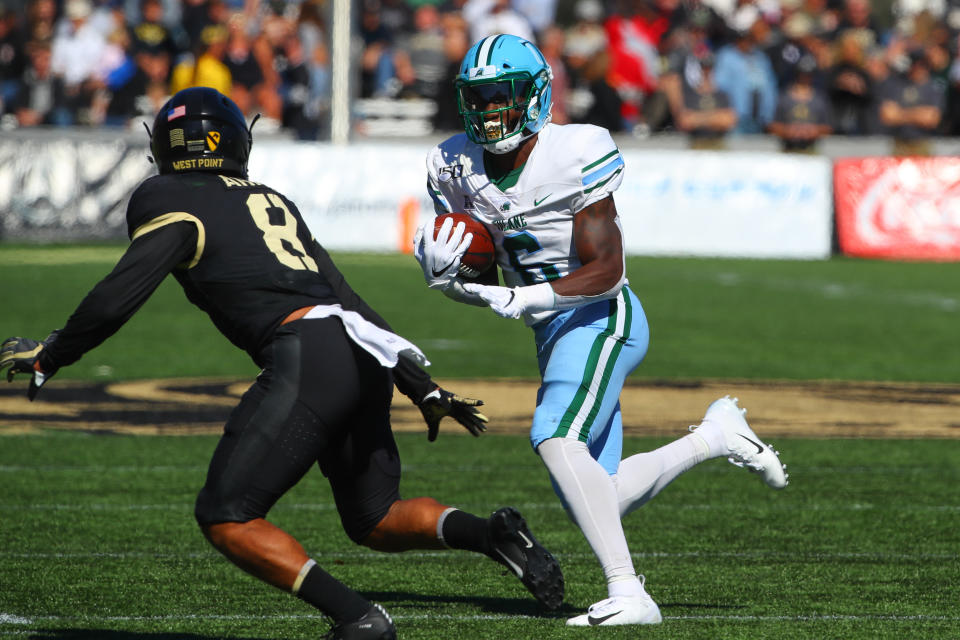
(331, 596)
(461, 530)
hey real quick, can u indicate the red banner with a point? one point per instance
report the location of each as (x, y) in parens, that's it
(898, 208)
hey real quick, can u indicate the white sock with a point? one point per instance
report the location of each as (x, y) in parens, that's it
(642, 476)
(590, 498)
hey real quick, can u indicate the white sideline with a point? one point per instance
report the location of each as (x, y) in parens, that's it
(10, 619)
(367, 556)
(544, 506)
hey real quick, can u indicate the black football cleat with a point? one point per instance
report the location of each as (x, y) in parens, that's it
(375, 624)
(515, 547)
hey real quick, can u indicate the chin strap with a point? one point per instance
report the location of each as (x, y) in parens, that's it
(149, 141)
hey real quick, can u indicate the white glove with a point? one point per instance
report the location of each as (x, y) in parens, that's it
(513, 303)
(440, 258)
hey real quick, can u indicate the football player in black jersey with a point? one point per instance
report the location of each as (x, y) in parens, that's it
(244, 255)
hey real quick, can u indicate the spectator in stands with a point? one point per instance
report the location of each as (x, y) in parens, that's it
(108, 16)
(456, 43)
(858, 16)
(300, 115)
(787, 54)
(802, 116)
(13, 56)
(115, 69)
(41, 20)
(150, 33)
(205, 68)
(424, 61)
(706, 115)
(145, 92)
(911, 106)
(634, 34)
(377, 68)
(195, 17)
(396, 16)
(552, 46)
(539, 13)
(850, 87)
(270, 49)
(249, 88)
(487, 17)
(744, 73)
(76, 53)
(41, 96)
(685, 48)
(826, 15)
(311, 27)
(600, 104)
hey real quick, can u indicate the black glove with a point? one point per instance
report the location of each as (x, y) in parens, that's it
(20, 354)
(440, 402)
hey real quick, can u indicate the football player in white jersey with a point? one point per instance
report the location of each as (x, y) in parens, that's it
(545, 193)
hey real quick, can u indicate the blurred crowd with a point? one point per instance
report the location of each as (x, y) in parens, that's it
(796, 69)
(111, 62)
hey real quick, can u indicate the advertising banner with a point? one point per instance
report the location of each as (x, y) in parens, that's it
(899, 208)
(370, 196)
(758, 205)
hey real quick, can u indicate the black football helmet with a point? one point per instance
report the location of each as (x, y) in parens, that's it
(200, 129)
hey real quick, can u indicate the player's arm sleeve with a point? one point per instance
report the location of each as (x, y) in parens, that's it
(411, 380)
(141, 269)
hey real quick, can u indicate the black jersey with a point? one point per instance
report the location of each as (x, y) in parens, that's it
(253, 262)
(242, 253)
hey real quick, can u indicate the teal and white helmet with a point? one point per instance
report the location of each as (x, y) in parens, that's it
(501, 73)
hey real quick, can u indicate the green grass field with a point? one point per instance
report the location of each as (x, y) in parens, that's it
(98, 539)
(838, 319)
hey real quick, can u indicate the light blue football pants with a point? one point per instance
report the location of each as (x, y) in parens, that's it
(585, 355)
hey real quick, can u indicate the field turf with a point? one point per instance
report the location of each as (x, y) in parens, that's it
(98, 540)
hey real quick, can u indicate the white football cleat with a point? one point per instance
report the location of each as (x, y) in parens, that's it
(745, 449)
(620, 610)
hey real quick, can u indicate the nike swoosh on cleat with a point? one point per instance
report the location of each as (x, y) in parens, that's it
(437, 274)
(595, 621)
(526, 539)
(513, 565)
(758, 446)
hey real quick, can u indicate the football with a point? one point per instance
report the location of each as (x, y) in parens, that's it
(480, 254)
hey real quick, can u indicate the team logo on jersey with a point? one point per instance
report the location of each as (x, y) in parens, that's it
(468, 204)
(450, 172)
(213, 140)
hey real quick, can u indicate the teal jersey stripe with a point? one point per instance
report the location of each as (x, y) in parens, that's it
(593, 176)
(600, 161)
(603, 182)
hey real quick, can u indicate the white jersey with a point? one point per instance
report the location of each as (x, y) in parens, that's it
(571, 167)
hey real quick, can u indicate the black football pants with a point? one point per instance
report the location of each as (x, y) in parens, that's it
(319, 399)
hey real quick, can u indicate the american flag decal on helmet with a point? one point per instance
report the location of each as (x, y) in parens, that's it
(177, 112)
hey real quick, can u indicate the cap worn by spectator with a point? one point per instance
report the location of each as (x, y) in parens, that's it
(78, 9)
(744, 18)
(798, 26)
(588, 10)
